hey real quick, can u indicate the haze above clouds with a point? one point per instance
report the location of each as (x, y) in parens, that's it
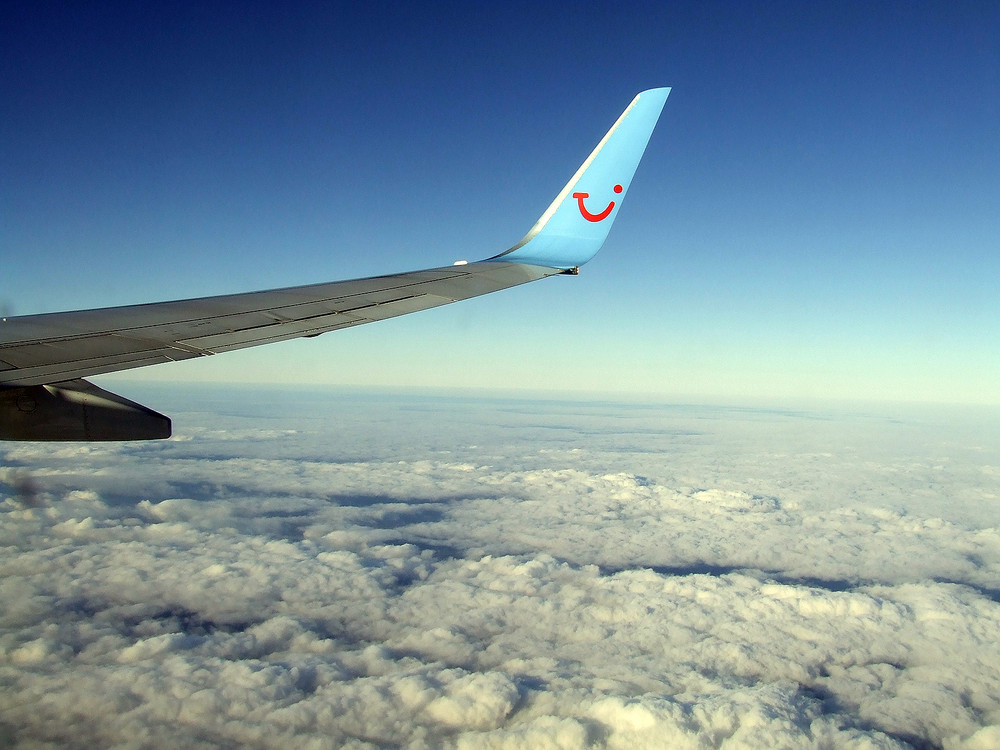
(364, 570)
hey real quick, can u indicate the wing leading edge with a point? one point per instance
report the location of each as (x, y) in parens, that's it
(44, 358)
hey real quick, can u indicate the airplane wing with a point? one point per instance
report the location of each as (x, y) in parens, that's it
(45, 358)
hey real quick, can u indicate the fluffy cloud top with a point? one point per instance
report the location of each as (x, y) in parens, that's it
(498, 575)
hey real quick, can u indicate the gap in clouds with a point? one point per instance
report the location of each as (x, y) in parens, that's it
(394, 569)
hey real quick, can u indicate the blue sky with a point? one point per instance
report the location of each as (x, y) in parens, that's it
(816, 214)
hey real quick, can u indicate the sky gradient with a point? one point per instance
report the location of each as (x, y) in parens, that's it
(816, 214)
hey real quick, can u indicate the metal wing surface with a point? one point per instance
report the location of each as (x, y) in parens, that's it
(56, 347)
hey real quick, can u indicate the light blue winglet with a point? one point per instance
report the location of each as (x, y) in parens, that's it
(575, 226)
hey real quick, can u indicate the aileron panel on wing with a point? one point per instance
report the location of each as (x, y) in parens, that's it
(38, 354)
(281, 331)
(80, 368)
(285, 330)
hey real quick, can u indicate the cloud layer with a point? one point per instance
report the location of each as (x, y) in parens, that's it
(421, 573)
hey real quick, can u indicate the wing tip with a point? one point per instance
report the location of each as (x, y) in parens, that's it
(575, 226)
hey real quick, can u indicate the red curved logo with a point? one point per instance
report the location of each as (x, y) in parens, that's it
(580, 197)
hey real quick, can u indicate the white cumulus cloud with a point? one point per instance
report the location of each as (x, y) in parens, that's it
(476, 574)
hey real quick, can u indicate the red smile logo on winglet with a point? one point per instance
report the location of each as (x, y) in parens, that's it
(580, 197)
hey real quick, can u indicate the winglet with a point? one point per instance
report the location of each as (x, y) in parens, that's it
(575, 226)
